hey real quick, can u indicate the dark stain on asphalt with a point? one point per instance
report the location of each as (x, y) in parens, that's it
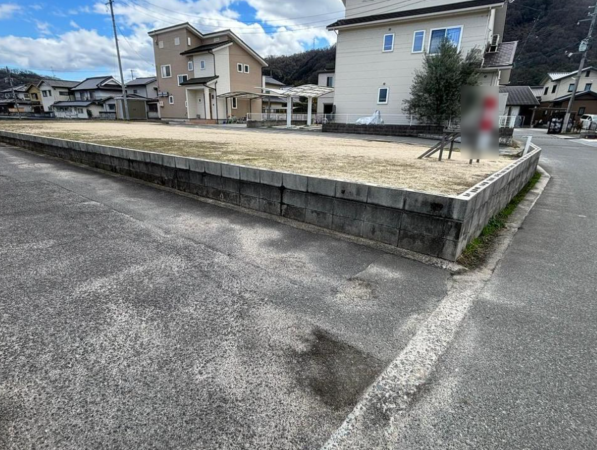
(336, 372)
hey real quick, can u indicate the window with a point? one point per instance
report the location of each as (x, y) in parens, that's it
(418, 41)
(239, 67)
(388, 43)
(166, 71)
(63, 93)
(26, 96)
(546, 91)
(553, 89)
(190, 65)
(202, 65)
(588, 86)
(581, 111)
(135, 91)
(34, 96)
(112, 107)
(177, 41)
(234, 103)
(588, 74)
(382, 96)
(189, 41)
(571, 87)
(171, 99)
(44, 93)
(453, 35)
(80, 110)
(330, 82)
(182, 79)
(246, 68)
(161, 44)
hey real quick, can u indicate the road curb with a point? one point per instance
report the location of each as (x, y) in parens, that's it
(373, 421)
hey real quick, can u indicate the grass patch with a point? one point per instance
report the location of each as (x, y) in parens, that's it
(479, 248)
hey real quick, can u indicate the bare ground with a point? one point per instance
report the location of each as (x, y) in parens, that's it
(383, 163)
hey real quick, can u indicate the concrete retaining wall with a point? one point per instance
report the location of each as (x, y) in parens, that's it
(436, 225)
(384, 130)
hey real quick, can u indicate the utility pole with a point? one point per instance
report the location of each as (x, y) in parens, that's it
(14, 95)
(587, 46)
(132, 74)
(124, 100)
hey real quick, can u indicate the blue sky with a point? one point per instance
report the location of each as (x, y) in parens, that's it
(73, 39)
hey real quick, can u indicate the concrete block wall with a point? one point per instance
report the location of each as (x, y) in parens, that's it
(436, 225)
(384, 130)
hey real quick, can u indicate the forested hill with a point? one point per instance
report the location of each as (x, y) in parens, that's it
(300, 68)
(18, 77)
(545, 29)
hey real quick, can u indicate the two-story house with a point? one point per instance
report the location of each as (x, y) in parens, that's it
(90, 98)
(143, 87)
(194, 68)
(557, 88)
(325, 103)
(381, 44)
(52, 91)
(18, 99)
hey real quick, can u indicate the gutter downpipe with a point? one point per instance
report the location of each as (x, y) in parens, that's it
(216, 88)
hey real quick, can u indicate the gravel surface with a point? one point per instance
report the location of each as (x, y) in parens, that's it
(371, 161)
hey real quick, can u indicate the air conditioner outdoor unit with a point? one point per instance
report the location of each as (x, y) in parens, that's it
(493, 46)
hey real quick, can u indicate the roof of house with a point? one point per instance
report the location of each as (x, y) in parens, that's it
(578, 95)
(272, 80)
(93, 83)
(556, 76)
(519, 96)
(58, 83)
(229, 33)
(76, 103)
(19, 88)
(204, 80)
(141, 81)
(415, 12)
(206, 47)
(503, 57)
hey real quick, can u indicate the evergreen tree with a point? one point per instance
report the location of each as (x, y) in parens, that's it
(436, 89)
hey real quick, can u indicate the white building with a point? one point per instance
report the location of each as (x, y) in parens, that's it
(561, 84)
(53, 91)
(325, 103)
(143, 87)
(381, 43)
(90, 97)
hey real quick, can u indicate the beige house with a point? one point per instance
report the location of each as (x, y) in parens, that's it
(381, 43)
(325, 103)
(193, 69)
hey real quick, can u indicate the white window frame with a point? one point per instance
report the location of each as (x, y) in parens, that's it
(234, 103)
(189, 41)
(176, 41)
(383, 43)
(247, 68)
(422, 43)
(171, 100)
(387, 95)
(190, 65)
(202, 65)
(239, 67)
(161, 44)
(446, 29)
(181, 75)
(162, 67)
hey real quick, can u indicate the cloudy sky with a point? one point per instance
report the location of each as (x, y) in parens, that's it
(73, 39)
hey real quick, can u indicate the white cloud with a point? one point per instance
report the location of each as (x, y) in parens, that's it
(43, 28)
(74, 24)
(7, 10)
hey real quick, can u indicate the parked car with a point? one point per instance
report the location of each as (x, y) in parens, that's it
(588, 121)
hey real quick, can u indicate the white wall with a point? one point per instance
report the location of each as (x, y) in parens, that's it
(362, 68)
(562, 86)
(327, 98)
(54, 97)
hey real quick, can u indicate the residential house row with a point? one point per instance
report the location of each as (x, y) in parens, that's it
(94, 97)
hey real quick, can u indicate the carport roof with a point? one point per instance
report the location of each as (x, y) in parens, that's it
(193, 81)
(243, 94)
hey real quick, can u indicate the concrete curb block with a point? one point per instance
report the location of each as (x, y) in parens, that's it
(436, 225)
(373, 423)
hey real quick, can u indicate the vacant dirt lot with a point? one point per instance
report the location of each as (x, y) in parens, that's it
(358, 159)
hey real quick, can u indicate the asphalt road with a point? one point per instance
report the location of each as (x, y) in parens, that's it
(522, 372)
(136, 318)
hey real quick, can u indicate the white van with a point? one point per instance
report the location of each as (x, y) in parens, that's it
(588, 121)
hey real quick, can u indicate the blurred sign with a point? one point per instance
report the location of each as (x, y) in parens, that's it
(480, 117)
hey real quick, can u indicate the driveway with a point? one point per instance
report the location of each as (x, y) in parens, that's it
(133, 317)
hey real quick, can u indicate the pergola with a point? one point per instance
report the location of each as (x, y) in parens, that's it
(310, 91)
(244, 95)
